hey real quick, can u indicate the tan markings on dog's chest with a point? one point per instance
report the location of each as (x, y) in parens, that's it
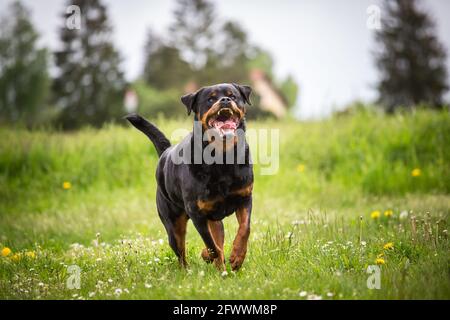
(244, 192)
(207, 205)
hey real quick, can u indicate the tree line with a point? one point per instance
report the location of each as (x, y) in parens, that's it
(87, 85)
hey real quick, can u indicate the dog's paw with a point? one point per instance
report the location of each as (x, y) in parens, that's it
(236, 260)
(183, 264)
(206, 256)
(220, 264)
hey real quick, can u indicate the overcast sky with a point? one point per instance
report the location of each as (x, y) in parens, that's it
(324, 44)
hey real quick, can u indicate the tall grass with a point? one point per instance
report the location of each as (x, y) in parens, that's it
(369, 152)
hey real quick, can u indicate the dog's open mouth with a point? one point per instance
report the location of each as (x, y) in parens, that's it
(225, 122)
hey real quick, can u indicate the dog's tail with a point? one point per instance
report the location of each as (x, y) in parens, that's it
(158, 138)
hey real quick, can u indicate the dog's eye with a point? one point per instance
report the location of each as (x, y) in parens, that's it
(211, 100)
(233, 97)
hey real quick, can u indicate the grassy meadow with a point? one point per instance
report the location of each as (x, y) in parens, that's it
(350, 192)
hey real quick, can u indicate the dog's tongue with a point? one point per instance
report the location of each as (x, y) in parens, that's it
(227, 124)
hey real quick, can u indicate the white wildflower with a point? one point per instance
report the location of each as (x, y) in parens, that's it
(403, 215)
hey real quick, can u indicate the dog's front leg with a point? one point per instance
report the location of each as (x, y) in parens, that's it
(215, 250)
(240, 242)
(217, 232)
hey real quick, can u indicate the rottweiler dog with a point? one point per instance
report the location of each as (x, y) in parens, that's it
(199, 190)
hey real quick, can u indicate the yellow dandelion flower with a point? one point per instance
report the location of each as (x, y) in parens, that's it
(380, 261)
(301, 168)
(375, 214)
(6, 252)
(389, 245)
(16, 257)
(416, 172)
(388, 213)
(67, 185)
(30, 254)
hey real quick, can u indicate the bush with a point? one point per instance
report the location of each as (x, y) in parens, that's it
(154, 103)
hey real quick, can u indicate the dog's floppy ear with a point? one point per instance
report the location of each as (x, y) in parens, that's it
(245, 91)
(189, 100)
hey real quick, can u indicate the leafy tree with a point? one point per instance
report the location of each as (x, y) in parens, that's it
(24, 82)
(155, 102)
(89, 87)
(201, 49)
(204, 50)
(411, 59)
(234, 45)
(228, 62)
(261, 60)
(289, 89)
(193, 30)
(164, 67)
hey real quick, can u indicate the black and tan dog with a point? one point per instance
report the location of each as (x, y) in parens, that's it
(206, 193)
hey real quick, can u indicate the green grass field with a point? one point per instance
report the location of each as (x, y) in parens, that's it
(307, 240)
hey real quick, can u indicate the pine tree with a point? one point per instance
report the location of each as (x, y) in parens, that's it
(411, 59)
(89, 87)
(24, 83)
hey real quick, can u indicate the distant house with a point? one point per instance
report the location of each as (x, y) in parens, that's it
(271, 99)
(131, 101)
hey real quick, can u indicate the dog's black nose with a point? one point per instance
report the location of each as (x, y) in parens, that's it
(225, 100)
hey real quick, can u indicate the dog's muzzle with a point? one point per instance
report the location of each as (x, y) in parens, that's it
(226, 120)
